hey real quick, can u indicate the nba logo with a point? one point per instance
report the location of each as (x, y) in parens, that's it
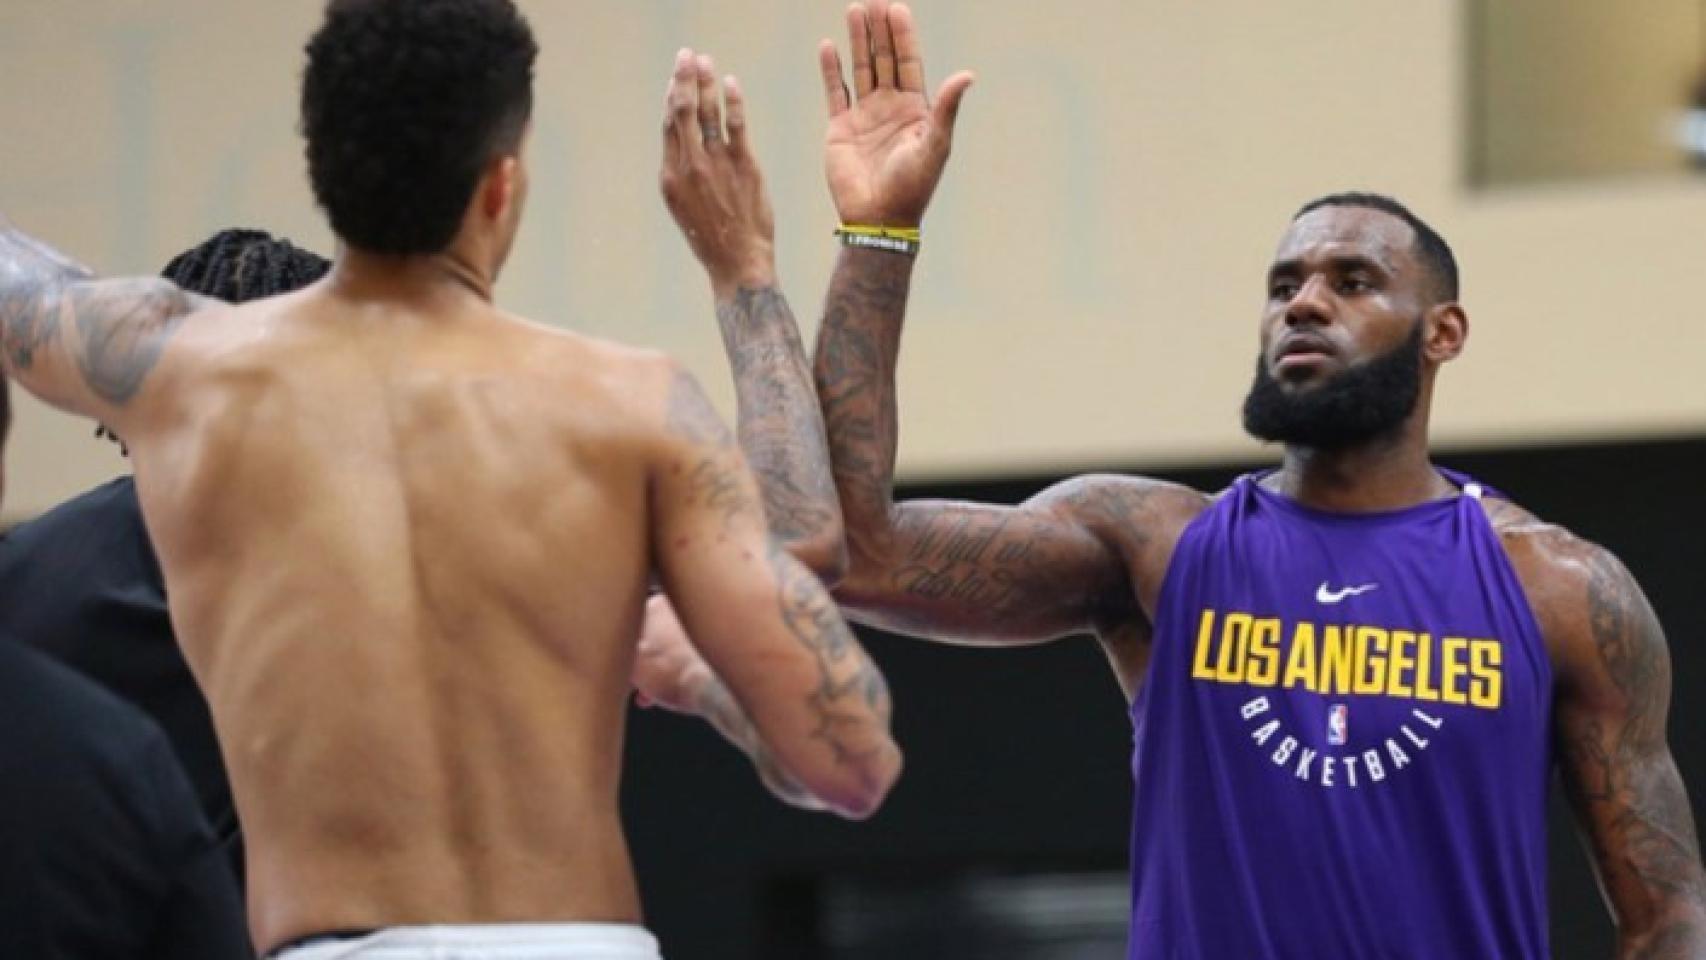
(1338, 722)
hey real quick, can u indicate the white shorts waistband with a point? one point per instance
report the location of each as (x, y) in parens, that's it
(489, 941)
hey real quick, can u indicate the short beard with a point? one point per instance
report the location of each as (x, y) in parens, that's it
(1352, 408)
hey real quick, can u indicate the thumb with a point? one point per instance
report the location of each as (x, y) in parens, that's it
(642, 700)
(946, 112)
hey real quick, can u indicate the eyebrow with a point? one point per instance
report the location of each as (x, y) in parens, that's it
(1340, 263)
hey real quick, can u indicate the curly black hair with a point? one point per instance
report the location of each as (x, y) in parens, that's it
(404, 103)
(242, 265)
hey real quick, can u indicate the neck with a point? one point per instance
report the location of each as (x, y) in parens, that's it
(1389, 472)
(364, 274)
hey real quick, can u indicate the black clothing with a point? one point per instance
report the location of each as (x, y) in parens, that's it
(104, 854)
(81, 584)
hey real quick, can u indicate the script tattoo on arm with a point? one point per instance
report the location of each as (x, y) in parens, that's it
(1619, 773)
(69, 337)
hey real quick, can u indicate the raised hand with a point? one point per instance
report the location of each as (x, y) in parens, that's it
(711, 181)
(887, 143)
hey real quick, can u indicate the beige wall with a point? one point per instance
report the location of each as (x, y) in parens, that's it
(1093, 264)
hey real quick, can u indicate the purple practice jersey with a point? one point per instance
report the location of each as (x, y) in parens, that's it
(1342, 745)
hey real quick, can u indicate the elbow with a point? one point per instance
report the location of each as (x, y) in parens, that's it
(863, 795)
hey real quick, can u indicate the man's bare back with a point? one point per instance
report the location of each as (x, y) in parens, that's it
(413, 543)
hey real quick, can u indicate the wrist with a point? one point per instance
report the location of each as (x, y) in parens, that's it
(758, 275)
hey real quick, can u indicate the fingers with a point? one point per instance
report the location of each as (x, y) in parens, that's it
(909, 56)
(834, 87)
(946, 111)
(734, 114)
(681, 130)
(710, 105)
(859, 44)
(882, 44)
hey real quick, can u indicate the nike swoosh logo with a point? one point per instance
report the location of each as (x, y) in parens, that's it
(1328, 596)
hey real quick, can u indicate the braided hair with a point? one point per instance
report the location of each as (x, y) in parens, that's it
(241, 265)
(238, 266)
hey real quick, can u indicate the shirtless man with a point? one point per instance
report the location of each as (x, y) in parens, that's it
(406, 536)
(1350, 678)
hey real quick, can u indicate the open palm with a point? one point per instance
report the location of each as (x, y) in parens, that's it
(884, 153)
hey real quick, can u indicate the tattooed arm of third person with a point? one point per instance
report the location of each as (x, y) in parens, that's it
(714, 189)
(80, 343)
(1613, 678)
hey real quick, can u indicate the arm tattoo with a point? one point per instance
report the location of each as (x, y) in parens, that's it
(714, 476)
(32, 280)
(857, 347)
(1620, 774)
(121, 325)
(124, 325)
(850, 704)
(957, 556)
(780, 425)
(28, 321)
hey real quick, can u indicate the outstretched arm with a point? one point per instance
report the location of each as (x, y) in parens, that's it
(1614, 682)
(1060, 564)
(82, 344)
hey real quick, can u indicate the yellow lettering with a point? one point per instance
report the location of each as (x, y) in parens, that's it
(1337, 661)
(1485, 657)
(1396, 685)
(1424, 652)
(1205, 640)
(1451, 669)
(1234, 644)
(1264, 652)
(1371, 659)
(1300, 662)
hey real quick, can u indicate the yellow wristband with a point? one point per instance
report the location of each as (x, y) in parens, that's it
(912, 234)
(905, 240)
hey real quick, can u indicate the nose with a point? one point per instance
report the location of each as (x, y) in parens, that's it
(1312, 304)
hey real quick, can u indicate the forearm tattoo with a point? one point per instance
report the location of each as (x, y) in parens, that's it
(857, 346)
(779, 423)
(850, 704)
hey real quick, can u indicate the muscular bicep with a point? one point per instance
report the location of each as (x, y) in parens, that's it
(1070, 560)
(1614, 687)
(88, 346)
